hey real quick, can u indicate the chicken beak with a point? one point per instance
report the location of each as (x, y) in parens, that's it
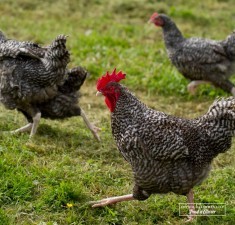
(98, 93)
(150, 21)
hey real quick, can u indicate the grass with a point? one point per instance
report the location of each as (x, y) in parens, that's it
(49, 179)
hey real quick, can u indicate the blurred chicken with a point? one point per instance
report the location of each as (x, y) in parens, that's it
(199, 60)
(65, 102)
(32, 76)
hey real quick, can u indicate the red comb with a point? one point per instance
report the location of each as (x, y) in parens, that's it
(154, 15)
(113, 77)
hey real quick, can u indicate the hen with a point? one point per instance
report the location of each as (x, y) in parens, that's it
(65, 102)
(166, 153)
(199, 60)
(31, 76)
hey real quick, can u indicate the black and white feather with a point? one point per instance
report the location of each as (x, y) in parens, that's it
(36, 81)
(167, 153)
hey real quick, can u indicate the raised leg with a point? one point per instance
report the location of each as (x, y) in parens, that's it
(192, 86)
(111, 200)
(191, 206)
(25, 128)
(91, 127)
(33, 121)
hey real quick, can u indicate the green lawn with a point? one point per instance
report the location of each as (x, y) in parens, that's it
(49, 179)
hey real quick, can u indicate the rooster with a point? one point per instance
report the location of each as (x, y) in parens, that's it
(31, 77)
(199, 60)
(166, 153)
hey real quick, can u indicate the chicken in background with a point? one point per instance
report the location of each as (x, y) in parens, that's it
(65, 104)
(199, 60)
(166, 153)
(35, 80)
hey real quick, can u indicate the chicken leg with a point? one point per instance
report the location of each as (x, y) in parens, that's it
(233, 91)
(94, 130)
(192, 86)
(192, 211)
(32, 127)
(36, 120)
(111, 200)
(25, 128)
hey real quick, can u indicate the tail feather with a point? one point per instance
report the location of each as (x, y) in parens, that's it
(229, 45)
(59, 41)
(57, 49)
(222, 108)
(75, 80)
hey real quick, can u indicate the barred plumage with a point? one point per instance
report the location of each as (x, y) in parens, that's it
(35, 81)
(169, 153)
(166, 153)
(26, 70)
(65, 103)
(199, 60)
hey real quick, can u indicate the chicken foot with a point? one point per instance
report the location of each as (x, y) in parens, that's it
(192, 86)
(129, 197)
(25, 128)
(32, 127)
(111, 200)
(94, 130)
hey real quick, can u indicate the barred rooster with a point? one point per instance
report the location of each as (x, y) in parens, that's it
(199, 60)
(31, 77)
(166, 153)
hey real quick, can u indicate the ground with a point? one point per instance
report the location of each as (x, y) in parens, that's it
(49, 179)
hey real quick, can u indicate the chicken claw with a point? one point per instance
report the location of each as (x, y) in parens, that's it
(102, 202)
(110, 201)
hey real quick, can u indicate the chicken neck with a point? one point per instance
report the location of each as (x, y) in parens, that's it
(172, 36)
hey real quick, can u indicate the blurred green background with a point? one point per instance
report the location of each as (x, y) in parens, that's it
(49, 179)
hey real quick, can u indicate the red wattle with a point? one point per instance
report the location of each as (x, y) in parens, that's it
(110, 104)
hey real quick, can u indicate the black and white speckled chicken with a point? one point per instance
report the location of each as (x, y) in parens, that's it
(65, 103)
(199, 60)
(166, 153)
(29, 74)
(35, 80)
